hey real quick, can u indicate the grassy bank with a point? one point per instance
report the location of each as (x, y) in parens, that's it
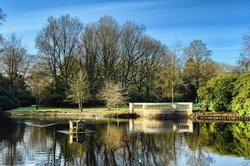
(93, 110)
(52, 110)
(102, 112)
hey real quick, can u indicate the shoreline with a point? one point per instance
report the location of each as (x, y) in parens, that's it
(70, 114)
(195, 116)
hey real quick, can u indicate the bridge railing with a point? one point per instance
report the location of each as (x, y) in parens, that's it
(147, 107)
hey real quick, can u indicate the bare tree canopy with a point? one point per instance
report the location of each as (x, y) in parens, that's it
(57, 43)
(15, 61)
(199, 66)
(197, 51)
(113, 52)
(244, 59)
(89, 57)
(131, 36)
(108, 35)
(169, 77)
(78, 91)
(2, 19)
(2, 16)
(113, 94)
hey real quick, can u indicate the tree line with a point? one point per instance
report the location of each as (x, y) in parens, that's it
(76, 61)
(123, 54)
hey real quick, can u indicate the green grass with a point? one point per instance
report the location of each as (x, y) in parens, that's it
(196, 107)
(93, 110)
(41, 109)
(98, 110)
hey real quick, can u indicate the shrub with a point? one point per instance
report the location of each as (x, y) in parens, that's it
(135, 96)
(218, 93)
(6, 92)
(241, 100)
(52, 100)
(25, 98)
(7, 99)
(7, 104)
(231, 93)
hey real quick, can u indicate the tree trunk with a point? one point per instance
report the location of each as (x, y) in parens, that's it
(197, 84)
(37, 102)
(80, 106)
(172, 91)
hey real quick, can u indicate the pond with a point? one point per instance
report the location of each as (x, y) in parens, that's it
(124, 142)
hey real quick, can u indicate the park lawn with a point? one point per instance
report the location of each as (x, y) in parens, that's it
(91, 110)
(98, 110)
(43, 109)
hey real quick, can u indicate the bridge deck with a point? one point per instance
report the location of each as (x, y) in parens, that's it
(161, 109)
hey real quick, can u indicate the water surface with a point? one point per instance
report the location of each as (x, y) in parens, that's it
(124, 142)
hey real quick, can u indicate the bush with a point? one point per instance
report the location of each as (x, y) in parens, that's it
(93, 103)
(25, 98)
(8, 104)
(217, 95)
(241, 100)
(135, 96)
(52, 100)
(6, 92)
(25, 103)
(231, 93)
(7, 99)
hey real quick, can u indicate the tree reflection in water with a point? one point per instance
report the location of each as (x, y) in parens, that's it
(11, 136)
(137, 142)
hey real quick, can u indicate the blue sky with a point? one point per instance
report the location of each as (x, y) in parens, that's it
(218, 23)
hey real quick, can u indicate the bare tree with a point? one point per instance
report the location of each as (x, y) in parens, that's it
(78, 91)
(148, 65)
(110, 52)
(131, 36)
(244, 63)
(244, 59)
(106, 50)
(57, 43)
(113, 94)
(37, 82)
(15, 61)
(198, 64)
(89, 57)
(170, 75)
(2, 18)
(108, 35)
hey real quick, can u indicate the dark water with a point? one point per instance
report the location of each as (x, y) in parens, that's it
(131, 142)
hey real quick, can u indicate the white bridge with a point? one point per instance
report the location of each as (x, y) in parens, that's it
(161, 109)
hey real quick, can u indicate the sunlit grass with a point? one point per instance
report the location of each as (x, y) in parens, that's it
(99, 110)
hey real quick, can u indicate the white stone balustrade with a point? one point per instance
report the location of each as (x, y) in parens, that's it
(148, 109)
